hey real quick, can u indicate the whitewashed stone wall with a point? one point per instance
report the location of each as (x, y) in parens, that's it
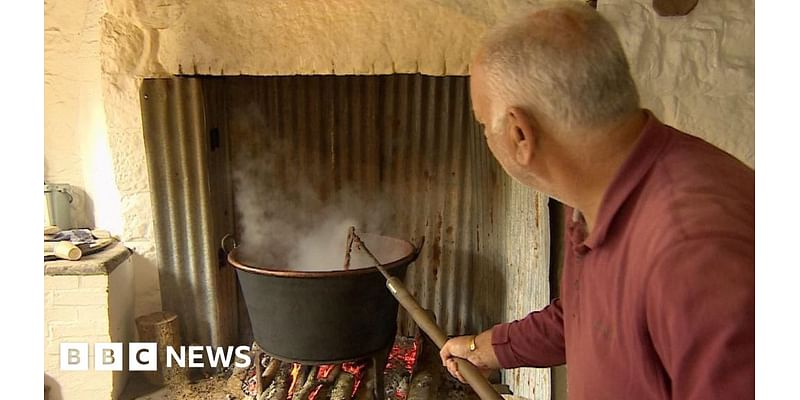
(695, 72)
(111, 188)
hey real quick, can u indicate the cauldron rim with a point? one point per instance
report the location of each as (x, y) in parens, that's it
(285, 273)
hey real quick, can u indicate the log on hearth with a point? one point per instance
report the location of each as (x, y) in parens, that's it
(270, 371)
(305, 389)
(328, 383)
(279, 388)
(343, 387)
(259, 360)
(366, 389)
(298, 378)
(162, 328)
(427, 376)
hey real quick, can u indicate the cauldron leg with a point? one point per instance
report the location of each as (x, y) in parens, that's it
(259, 371)
(379, 361)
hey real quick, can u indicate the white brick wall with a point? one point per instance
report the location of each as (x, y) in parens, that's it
(76, 310)
(87, 309)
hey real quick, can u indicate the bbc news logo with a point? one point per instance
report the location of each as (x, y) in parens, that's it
(143, 356)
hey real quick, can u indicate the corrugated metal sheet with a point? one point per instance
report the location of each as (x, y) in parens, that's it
(175, 137)
(527, 255)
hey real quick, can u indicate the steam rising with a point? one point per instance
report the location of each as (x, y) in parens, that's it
(284, 222)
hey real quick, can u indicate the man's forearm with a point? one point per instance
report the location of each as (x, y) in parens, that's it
(534, 341)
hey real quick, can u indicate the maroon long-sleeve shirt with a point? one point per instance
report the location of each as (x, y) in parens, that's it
(657, 302)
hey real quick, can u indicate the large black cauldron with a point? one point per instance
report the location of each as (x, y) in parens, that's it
(325, 317)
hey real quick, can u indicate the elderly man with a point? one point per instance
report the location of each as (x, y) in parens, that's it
(657, 295)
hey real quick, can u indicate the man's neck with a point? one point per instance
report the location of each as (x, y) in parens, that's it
(595, 161)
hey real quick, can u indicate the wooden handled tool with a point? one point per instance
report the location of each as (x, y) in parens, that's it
(471, 374)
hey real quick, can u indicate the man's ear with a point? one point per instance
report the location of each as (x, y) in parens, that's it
(522, 130)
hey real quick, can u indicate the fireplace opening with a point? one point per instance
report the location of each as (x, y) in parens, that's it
(284, 163)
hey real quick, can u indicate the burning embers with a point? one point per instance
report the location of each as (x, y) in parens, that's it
(272, 379)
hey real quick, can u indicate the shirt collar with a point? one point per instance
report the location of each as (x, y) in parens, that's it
(649, 145)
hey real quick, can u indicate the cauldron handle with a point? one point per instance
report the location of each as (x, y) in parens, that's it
(228, 243)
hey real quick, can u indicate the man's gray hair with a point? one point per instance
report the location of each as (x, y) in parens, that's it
(562, 62)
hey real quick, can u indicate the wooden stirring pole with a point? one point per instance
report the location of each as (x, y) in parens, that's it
(349, 247)
(470, 372)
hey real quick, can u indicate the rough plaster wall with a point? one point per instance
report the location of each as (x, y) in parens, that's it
(695, 72)
(120, 46)
(282, 38)
(76, 147)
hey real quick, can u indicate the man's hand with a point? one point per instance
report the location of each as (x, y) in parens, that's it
(482, 357)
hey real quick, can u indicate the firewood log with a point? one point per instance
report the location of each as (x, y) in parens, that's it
(328, 382)
(427, 377)
(279, 388)
(343, 387)
(300, 379)
(307, 387)
(164, 329)
(270, 370)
